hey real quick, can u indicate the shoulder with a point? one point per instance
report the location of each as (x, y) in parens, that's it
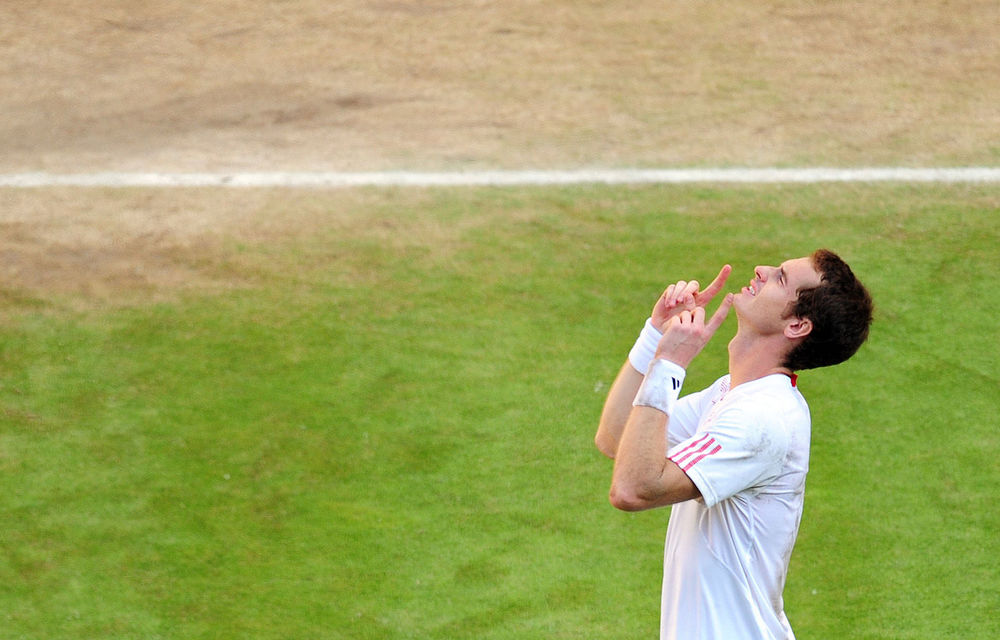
(765, 414)
(769, 399)
(698, 402)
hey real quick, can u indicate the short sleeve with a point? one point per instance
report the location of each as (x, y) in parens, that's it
(739, 450)
(683, 420)
(689, 409)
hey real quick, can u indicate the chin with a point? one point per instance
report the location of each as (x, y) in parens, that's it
(739, 300)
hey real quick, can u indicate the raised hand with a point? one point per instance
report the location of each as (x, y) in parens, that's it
(685, 296)
(687, 333)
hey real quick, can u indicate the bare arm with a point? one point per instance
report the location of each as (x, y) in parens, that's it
(616, 410)
(644, 477)
(618, 405)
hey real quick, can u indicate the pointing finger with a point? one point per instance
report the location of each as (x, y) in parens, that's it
(706, 296)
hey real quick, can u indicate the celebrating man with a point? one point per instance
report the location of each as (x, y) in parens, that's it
(731, 458)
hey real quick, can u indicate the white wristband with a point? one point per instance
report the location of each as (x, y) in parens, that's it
(661, 386)
(644, 350)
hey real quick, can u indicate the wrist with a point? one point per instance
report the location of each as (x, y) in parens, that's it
(661, 387)
(680, 360)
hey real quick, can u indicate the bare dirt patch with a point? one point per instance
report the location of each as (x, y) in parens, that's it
(354, 85)
(95, 247)
(87, 248)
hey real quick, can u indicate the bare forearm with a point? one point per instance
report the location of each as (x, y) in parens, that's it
(644, 477)
(637, 437)
(641, 450)
(617, 408)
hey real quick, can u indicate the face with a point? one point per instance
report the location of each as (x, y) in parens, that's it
(763, 303)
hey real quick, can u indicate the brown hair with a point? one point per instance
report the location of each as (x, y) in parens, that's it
(840, 309)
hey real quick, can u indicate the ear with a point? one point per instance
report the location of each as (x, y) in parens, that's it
(798, 328)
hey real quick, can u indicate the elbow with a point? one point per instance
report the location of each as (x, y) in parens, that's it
(626, 498)
(605, 445)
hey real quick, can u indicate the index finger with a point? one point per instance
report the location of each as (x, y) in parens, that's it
(704, 297)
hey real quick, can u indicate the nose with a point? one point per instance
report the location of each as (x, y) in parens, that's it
(762, 272)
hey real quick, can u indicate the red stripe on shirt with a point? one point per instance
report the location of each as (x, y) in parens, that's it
(714, 451)
(693, 449)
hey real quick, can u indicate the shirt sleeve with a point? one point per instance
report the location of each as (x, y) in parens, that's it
(683, 420)
(739, 450)
(687, 413)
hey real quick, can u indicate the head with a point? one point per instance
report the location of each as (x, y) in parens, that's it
(837, 310)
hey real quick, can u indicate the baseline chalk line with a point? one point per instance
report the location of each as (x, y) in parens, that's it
(500, 178)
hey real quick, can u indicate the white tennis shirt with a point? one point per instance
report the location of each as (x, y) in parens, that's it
(726, 554)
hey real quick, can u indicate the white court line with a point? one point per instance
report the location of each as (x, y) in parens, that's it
(501, 178)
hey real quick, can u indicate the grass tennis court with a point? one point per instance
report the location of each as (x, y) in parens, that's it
(369, 413)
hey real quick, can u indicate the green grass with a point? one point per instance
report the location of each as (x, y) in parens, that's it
(389, 434)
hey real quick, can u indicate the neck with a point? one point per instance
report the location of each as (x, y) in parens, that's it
(754, 359)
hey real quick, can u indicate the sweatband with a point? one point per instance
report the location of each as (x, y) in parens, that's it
(644, 349)
(661, 386)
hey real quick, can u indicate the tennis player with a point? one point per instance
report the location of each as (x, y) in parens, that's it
(732, 458)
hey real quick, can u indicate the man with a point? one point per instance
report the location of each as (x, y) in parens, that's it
(732, 458)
